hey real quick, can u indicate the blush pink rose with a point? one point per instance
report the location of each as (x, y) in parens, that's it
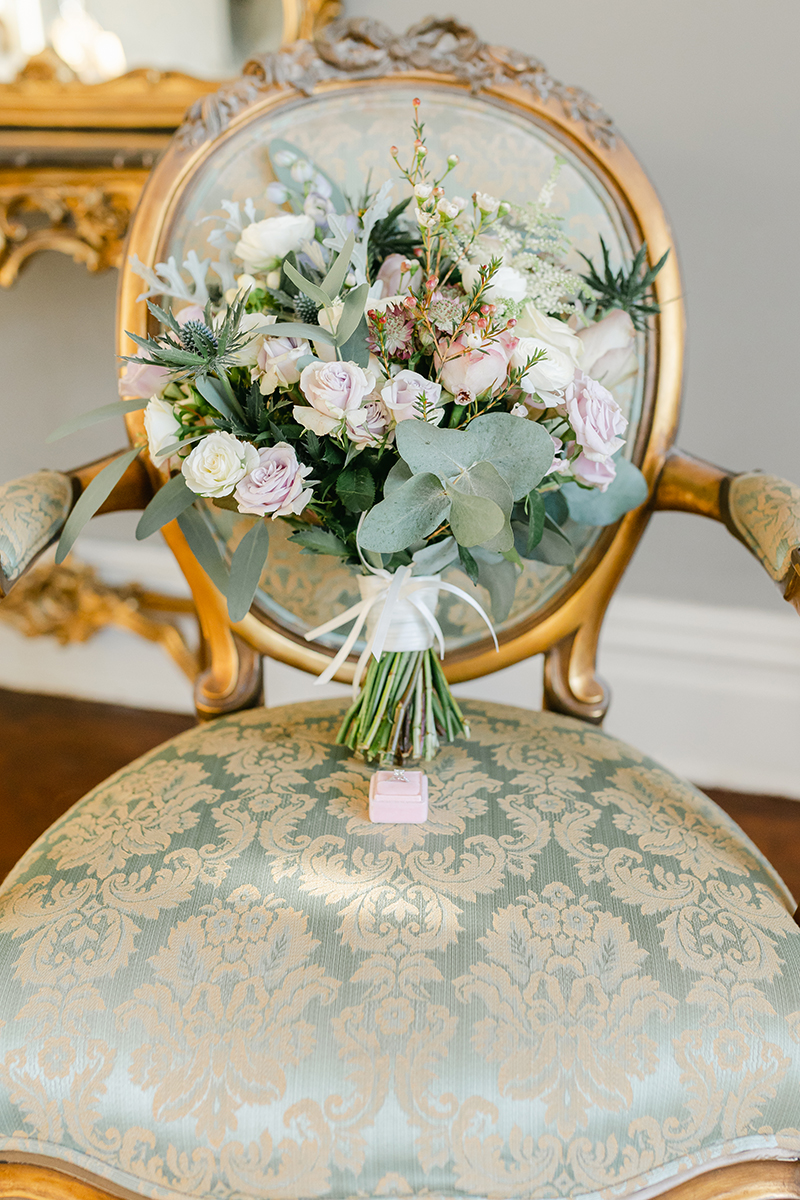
(140, 380)
(275, 486)
(192, 312)
(403, 394)
(595, 416)
(473, 366)
(375, 426)
(593, 473)
(396, 281)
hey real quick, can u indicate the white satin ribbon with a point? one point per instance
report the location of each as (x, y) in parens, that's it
(398, 611)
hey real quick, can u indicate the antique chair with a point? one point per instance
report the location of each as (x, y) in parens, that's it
(578, 978)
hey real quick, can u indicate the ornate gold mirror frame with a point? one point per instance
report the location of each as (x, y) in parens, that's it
(74, 157)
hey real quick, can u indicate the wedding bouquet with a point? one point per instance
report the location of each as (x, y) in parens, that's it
(411, 383)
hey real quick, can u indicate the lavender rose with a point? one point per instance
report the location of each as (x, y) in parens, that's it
(336, 392)
(275, 485)
(407, 391)
(595, 416)
(596, 474)
(375, 427)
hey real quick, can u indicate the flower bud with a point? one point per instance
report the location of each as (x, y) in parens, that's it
(452, 160)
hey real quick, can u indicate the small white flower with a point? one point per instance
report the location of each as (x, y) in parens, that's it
(486, 203)
(448, 209)
(277, 193)
(284, 158)
(301, 170)
(473, 340)
(423, 190)
(216, 464)
(426, 220)
(161, 427)
(273, 279)
(519, 410)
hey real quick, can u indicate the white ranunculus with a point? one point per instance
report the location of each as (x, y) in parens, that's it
(216, 464)
(609, 354)
(265, 243)
(161, 427)
(507, 284)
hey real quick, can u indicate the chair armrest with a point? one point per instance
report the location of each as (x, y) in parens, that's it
(33, 510)
(762, 511)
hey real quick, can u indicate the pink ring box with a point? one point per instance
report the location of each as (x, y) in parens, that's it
(398, 797)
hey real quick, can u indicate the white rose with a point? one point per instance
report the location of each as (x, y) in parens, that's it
(335, 392)
(265, 243)
(507, 284)
(247, 354)
(549, 374)
(161, 427)
(609, 355)
(549, 330)
(403, 396)
(217, 464)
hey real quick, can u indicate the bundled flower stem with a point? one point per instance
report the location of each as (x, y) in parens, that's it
(404, 710)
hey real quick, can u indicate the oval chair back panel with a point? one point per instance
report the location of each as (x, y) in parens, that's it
(508, 141)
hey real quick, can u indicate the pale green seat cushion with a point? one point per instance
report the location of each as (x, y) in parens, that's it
(219, 979)
(32, 512)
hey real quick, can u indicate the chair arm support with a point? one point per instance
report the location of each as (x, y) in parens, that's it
(33, 510)
(762, 511)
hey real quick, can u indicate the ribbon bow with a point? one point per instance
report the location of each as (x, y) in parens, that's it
(393, 588)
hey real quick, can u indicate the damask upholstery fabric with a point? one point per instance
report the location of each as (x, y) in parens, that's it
(766, 511)
(217, 978)
(32, 511)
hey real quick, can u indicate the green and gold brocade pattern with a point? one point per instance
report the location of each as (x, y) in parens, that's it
(578, 978)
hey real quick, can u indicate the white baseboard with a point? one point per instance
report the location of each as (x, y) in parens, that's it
(712, 693)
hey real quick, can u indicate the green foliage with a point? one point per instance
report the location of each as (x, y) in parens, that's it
(168, 503)
(355, 488)
(627, 490)
(408, 515)
(91, 498)
(628, 289)
(247, 564)
(104, 413)
(319, 541)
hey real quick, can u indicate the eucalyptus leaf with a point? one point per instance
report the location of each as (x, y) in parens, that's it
(520, 450)
(556, 507)
(410, 513)
(399, 474)
(247, 564)
(356, 348)
(430, 560)
(319, 541)
(473, 519)
(213, 391)
(168, 502)
(554, 547)
(351, 314)
(91, 499)
(468, 563)
(104, 413)
(536, 514)
(499, 577)
(298, 329)
(307, 287)
(592, 507)
(334, 281)
(484, 480)
(201, 541)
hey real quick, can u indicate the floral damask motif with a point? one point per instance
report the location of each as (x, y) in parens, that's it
(142, 814)
(568, 1006)
(224, 1021)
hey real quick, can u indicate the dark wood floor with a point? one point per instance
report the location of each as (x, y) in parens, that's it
(53, 750)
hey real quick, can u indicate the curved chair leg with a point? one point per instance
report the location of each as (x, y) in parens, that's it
(243, 688)
(570, 684)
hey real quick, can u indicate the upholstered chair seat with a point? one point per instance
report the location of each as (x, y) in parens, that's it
(218, 978)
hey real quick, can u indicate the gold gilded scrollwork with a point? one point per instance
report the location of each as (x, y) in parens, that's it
(71, 603)
(87, 220)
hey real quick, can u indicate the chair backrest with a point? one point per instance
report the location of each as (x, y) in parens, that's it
(344, 101)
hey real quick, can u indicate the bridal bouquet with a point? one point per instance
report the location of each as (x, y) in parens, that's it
(413, 383)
